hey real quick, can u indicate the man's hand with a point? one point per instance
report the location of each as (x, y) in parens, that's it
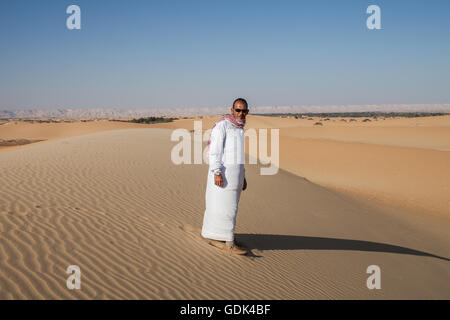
(245, 184)
(218, 180)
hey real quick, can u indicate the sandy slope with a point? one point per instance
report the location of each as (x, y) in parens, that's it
(403, 162)
(11, 130)
(114, 204)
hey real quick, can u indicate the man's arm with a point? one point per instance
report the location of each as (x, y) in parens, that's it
(218, 135)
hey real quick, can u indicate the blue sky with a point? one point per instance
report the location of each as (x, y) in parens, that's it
(144, 54)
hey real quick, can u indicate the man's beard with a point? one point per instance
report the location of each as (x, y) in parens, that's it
(240, 121)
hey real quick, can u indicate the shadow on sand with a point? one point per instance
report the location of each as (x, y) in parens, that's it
(283, 242)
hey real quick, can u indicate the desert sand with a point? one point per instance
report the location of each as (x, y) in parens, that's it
(16, 133)
(107, 197)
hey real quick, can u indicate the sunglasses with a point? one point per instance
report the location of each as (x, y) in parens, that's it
(241, 110)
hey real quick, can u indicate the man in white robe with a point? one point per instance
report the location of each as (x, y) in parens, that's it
(226, 179)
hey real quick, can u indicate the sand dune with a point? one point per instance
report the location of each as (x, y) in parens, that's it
(401, 162)
(113, 203)
(42, 132)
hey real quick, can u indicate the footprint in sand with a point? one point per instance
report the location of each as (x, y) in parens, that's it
(190, 229)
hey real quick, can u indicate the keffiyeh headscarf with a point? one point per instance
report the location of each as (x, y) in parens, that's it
(235, 122)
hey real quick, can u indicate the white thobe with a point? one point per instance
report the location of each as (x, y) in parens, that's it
(227, 156)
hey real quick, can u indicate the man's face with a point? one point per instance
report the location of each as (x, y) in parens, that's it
(239, 110)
